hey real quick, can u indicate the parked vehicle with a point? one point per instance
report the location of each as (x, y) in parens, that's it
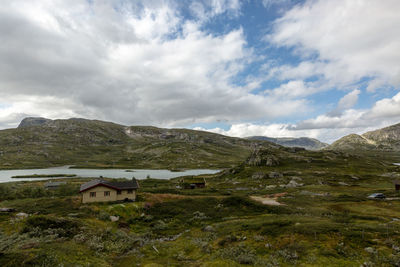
(377, 196)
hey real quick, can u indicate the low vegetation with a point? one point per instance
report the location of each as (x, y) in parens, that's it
(325, 218)
(270, 206)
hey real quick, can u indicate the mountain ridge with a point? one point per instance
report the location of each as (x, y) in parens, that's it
(40, 142)
(304, 142)
(386, 139)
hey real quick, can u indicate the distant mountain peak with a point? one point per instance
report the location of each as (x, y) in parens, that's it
(304, 142)
(387, 138)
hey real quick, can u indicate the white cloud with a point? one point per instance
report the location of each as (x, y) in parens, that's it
(326, 127)
(293, 89)
(134, 63)
(345, 103)
(348, 40)
(143, 62)
(207, 9)
(387, 108)
(349, 100)
(385, 112)
(284, 130)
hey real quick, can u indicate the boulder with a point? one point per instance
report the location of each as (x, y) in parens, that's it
(259, 175)
(7, 209)
(293, 184)
(208, 228)
(370, 250)
(275, 175)
(114, 218)
(22, 215)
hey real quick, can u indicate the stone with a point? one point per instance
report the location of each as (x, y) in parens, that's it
(369, 250)
(275, 175)
(114, 218)
(293, 184)
(7, 209)
(22, 215)
(259, 175)
(197, 215)
(208, 228)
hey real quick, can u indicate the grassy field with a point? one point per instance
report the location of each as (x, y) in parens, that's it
(325, 218)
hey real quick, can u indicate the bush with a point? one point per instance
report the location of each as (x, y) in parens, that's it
(40, 225)
(241, 254)
(275, 228)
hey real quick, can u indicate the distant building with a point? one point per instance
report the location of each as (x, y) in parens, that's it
(193, 183)
(396, 185)
(53, 185)
(104, 191)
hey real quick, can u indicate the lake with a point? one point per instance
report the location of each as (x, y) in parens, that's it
(5, 175)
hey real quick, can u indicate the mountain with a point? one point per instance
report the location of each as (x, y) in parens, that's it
(304, 142)
(386, 139)
(40, 142)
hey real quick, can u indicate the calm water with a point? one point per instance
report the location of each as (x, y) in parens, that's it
(5, 176)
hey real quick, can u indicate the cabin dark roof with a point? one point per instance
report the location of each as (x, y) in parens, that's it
(114, 185)
(193, 180)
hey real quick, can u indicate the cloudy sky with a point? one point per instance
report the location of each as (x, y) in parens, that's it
(320, 68)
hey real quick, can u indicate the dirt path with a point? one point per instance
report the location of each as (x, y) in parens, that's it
(266, 200)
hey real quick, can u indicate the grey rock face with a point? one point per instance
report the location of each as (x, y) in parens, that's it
(33, 121)
(382, 139)
(262, 158)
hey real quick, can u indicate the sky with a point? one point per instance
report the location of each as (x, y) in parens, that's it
(278, 68)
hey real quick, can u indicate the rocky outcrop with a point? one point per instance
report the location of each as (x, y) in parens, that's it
(33, 121)
(44, 142)
(351, 142)
(262, 157)
(383, 139)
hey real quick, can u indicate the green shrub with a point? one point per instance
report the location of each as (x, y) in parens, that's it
(276, 227)
(37, 225)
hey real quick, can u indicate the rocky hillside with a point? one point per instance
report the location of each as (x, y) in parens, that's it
(40, 142)
(304, 142)
(387, 139)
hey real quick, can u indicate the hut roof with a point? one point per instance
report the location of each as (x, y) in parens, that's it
(114, 185)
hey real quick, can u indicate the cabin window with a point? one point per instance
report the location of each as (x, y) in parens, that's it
(92, 194)
(130, 191)
(119, 192)
(106, 193)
